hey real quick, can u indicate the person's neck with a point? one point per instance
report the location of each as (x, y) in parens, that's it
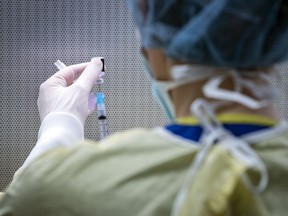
(184, 96)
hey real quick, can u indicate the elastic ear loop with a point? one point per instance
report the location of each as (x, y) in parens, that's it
(261, 91)
(212, 90)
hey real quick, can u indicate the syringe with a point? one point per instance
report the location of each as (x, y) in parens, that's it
(102, 114)
(102, 118)
(99, 98)
(60, 65)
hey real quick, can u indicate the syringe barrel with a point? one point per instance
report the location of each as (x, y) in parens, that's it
(100, 104)
(103, 128)
(101, 109)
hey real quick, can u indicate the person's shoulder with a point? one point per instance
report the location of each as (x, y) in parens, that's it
(137, 138)
(275, 136)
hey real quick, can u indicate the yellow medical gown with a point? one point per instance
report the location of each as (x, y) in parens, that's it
(140, 172)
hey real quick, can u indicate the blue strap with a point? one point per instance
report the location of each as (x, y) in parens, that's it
(193, 132)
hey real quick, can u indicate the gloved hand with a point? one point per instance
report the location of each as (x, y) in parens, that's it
(60, 94)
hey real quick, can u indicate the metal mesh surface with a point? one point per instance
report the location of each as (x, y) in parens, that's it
(35, 33)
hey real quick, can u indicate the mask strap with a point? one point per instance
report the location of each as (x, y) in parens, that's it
(183, 74)
(160, 91)
(261, 91)
(184, 71)
(168, 85)
(212, 90)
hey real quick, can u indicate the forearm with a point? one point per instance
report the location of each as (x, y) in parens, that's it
(57, 129)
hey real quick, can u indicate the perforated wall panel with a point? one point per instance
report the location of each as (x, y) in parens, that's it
(35, 33)
(279, 82)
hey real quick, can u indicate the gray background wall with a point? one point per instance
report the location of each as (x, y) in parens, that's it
(35, 33)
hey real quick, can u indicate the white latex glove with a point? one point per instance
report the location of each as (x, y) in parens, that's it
(60, 94)
(63, 107)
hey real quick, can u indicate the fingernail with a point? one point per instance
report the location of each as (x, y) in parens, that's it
(99, 61)
(96, 58)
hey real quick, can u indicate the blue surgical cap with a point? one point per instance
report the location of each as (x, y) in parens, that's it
(224, 33)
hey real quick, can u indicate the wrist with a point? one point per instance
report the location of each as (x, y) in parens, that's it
(63, 122)
(57, 129)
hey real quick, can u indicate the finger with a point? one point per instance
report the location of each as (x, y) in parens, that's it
(90, 75)
(91, 102)
(66, 76)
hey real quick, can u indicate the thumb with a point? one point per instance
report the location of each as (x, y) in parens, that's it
(90, 75)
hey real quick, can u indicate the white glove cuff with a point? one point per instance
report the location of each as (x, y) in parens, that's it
(57, 129)
(68, 127)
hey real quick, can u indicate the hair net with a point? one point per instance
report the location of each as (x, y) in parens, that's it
(224, 33)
